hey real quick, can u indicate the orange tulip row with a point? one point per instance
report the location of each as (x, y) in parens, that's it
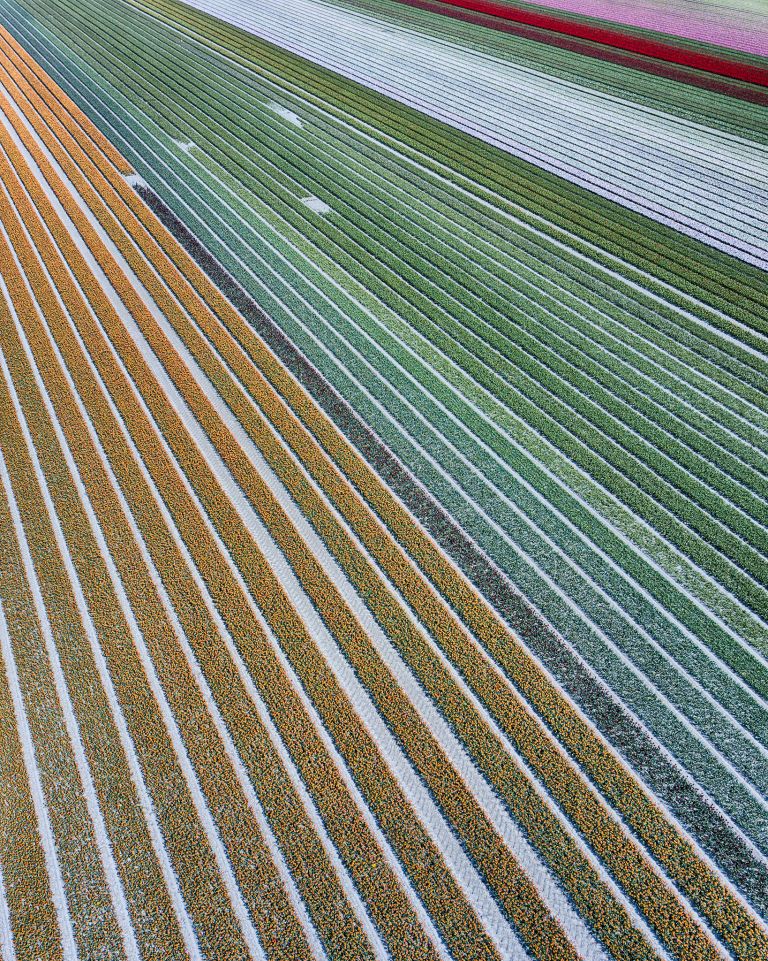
(26, 883)
(130, 839)
(183, 831)
(306, 856)
(260, 755)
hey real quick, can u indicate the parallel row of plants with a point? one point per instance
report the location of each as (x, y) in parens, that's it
(164, 444)
(183, 833)
(635, 156)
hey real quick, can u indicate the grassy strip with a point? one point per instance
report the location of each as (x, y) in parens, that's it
(313, 513)
(395, 923)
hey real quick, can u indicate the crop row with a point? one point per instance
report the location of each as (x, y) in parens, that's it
(589, 139)
(446, 431)
(77, 846)
(353, 266)
(184, 834)
(678, 335)
(723, 845)
(261, 758)
(501, 865)
(130, 840)
(220, 306)
(313, 512)
(26, 883)
(590, 904)
(284, 621)
(685, 735)
(682, 100)
(537, 592)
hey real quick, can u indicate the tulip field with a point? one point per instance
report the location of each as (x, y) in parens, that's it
(738, 24)
(383, 485)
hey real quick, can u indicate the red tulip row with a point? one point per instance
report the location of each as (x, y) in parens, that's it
(652, 46)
